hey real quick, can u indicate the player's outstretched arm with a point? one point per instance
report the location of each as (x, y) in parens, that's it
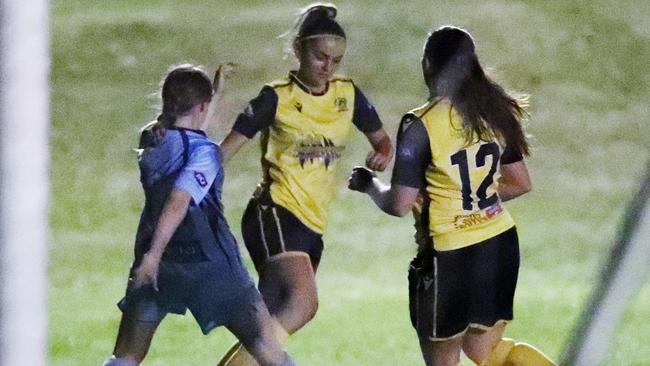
(231, 144)
(216, 110)
(396, 199)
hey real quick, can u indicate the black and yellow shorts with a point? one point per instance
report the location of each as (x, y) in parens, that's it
(269, 230)
(451, 291)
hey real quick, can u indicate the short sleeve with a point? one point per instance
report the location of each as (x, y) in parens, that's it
(365, 117)
(413, 153)
(510, 156)
(258, 114)
(198, 175)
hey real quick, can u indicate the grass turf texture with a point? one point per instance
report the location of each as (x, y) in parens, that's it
(583, 62)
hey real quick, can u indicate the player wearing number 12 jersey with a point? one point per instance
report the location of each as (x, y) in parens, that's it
(458, 158)
(461, 205)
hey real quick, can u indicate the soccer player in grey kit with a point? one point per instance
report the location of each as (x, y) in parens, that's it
(185, 254)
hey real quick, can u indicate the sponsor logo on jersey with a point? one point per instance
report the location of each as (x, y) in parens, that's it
(341, 104)
(318, 149)
(493, 210)
(200, 179)
(466, 221)
(473, 219)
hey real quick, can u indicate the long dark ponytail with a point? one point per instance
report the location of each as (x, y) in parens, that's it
(452, 70)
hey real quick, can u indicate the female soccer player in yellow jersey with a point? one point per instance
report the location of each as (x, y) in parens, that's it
(459, 156)
(304, 120)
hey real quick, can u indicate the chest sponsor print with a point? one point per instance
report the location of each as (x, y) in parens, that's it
(318, 149)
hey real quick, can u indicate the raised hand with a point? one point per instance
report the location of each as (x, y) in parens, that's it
(222, 73)
(377, 160)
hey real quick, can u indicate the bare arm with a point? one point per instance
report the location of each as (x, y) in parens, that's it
(231, 144)
(216, 111)
(172, 215)
(396, 199)
(514, 181)
(258, 115)
(382, 150)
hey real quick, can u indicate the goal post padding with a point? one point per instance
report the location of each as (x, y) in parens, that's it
(24, 181)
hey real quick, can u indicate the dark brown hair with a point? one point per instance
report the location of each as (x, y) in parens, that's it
(184, 87)
(454, 71)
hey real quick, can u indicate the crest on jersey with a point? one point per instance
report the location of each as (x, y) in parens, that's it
(341, 104)
(318, 149)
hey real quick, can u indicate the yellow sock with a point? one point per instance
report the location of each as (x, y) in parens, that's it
(509, 353)
(500, 353)
(237, 355)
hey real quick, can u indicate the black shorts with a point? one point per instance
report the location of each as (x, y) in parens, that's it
(269, 229)
(450, 291)
(214, 295)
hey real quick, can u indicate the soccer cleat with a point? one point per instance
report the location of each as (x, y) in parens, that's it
(119, 362)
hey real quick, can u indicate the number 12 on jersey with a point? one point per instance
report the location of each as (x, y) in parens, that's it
(460, 159)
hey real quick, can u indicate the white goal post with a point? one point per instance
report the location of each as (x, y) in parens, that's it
(621, 278)
(24, 182)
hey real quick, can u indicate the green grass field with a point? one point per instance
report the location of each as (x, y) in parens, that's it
(585, 64)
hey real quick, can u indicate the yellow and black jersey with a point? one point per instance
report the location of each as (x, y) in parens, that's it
(303, 136)
(459, 179)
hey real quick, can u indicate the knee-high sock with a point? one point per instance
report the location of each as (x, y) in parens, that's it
(510, 353)
(237, 355)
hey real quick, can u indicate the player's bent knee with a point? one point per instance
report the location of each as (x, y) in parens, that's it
(113, 361)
